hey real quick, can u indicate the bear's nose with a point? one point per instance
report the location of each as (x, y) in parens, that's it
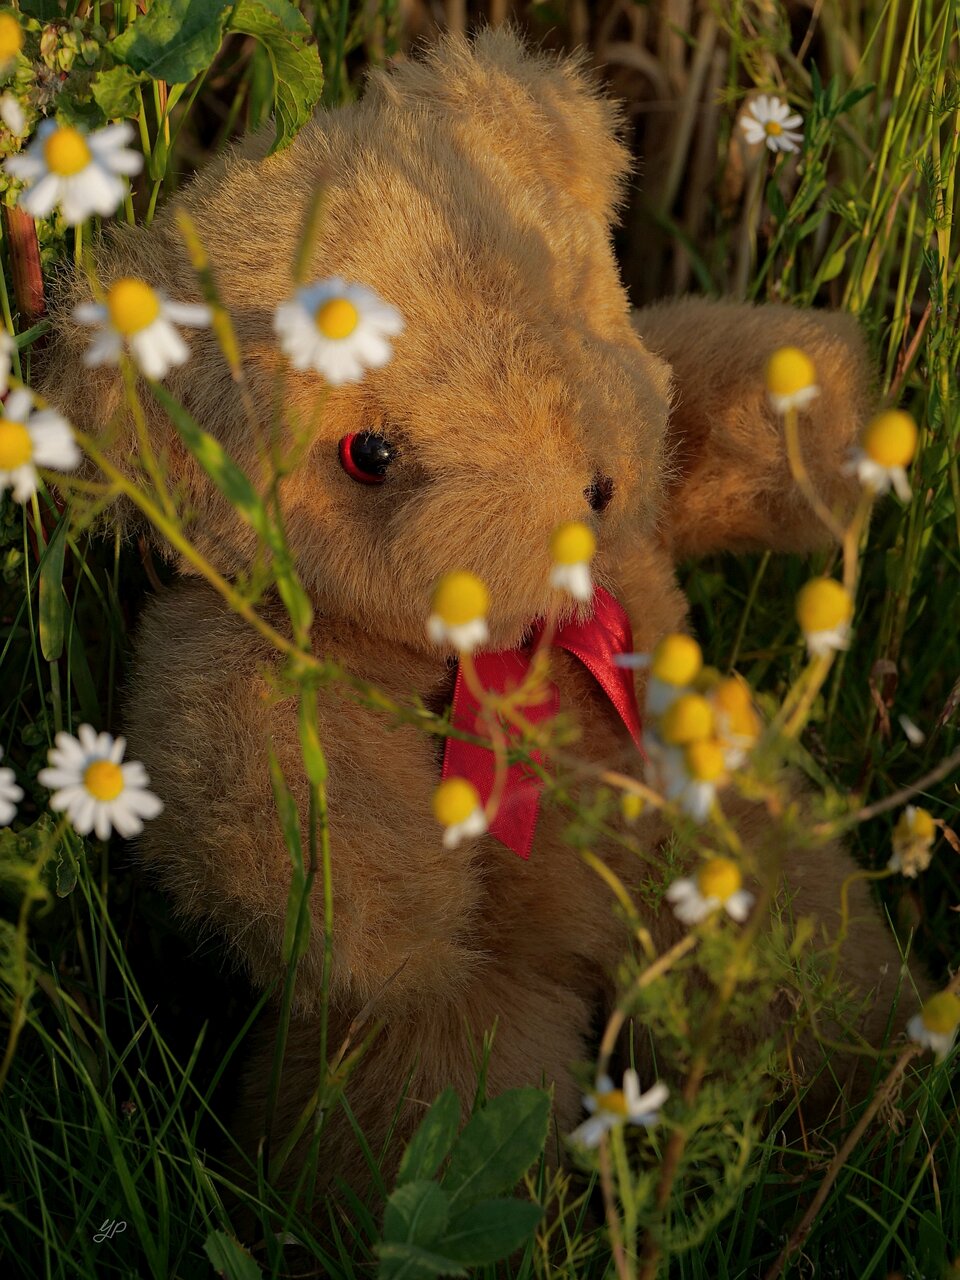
(599, 492)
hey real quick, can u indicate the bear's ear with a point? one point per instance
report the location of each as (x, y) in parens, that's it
(730, 486)
(543, 117)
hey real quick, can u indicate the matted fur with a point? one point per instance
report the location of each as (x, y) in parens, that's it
(473, 190)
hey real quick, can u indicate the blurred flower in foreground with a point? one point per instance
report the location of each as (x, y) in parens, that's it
(337, 329)
(11, 39)
(143, 319)
(457, 807)
(886, 448)
(83, 173)
(572, 547)
(458, 611)
(718, 883)
(31, 438)
(632, 806)
(611, 1107)
(791, 379)
(10, 795)
(913, 839)
(97, 792)
(771, 121)
(675, 663)
(738, 724)
(935, 1026)
(12, 115)
(824, 610)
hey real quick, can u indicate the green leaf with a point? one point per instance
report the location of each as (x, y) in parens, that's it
(410, 1262)
(416, 1214)
(834, 266)
(491, 1230)
(230, 1259)
(498, 1146)
(52, 603)
(115, 92)
(431, 1143)
(174, 41)
(297, 73)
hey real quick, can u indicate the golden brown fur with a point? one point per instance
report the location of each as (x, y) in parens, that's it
(473, 190)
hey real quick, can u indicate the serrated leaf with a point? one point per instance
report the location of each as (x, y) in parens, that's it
(173, 41)
(115, 92)
(410, 1262)
(490, 1231)
(498, 1146)
(416, 1214)
(230, 1259)
(52, 602)
(283, 33)
(432, 1141)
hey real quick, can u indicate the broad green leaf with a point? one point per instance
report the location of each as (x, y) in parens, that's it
(297, 73)
(834, 266)
(490, 1231)
(410, 1262)
(174, 40)
(115, 92)
(52, 602)
(230, 1259)
(433, 1139)
(416, 1214)
(498, 1146)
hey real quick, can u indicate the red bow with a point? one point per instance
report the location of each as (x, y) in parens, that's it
(596, 643)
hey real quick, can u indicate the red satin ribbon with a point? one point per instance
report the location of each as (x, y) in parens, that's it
(595, 643)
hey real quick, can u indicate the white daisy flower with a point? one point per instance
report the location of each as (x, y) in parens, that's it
(718, 883)
(886, 448)
(913, 840)
(337, 329)
(10, 795)
(791, 379)
(457, 807)
(935, 1026)
(572, 548)
(82, 173)
(143, 319)
(97, 792)
(12, 115)
(610, 1107)
(771, 121)
(458, 612)
(824, 609)
(31, 438)
(7, 348)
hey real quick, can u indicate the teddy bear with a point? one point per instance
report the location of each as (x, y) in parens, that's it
(474, 188)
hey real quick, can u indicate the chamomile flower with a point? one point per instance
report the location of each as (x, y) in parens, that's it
(611, 1107)
(689, 718)
(824, 610)
(572, 547)
(141, 318)
(771, 121)
(791, 379)
(12, 115)
(457, 807)
(718, 883)
(31, 438)
(10, 795)
(11, 39)
(738, 724)
(886, 447)
(632, 805)
(83, 173)
(98, 792)
(694, 776)
(337, 329)
(913, 840)
(458, 611)
(674, 665)
(935, 1026)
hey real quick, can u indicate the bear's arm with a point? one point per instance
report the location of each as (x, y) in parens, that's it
(732, 487)
(201, 711)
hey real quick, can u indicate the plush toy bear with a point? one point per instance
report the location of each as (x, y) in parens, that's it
(474, 189)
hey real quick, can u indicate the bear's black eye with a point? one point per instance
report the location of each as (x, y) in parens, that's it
(365, 456)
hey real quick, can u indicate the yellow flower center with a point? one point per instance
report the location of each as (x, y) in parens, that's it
(572, 543)
(613, 1101)
(822, 605)
(890, 439)
(923, 825)
(677, 660)
(788, 371)
(631, 805)
(132, 306)
(460, 598)
(773, 128)
(337, 318)
(719, 878)
(66, 152)
(941, 1014)
(16, 447)
(704, 760)
(732, 697)
(689, 719)
(454, 801)
(103, 779)
(11, 37)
